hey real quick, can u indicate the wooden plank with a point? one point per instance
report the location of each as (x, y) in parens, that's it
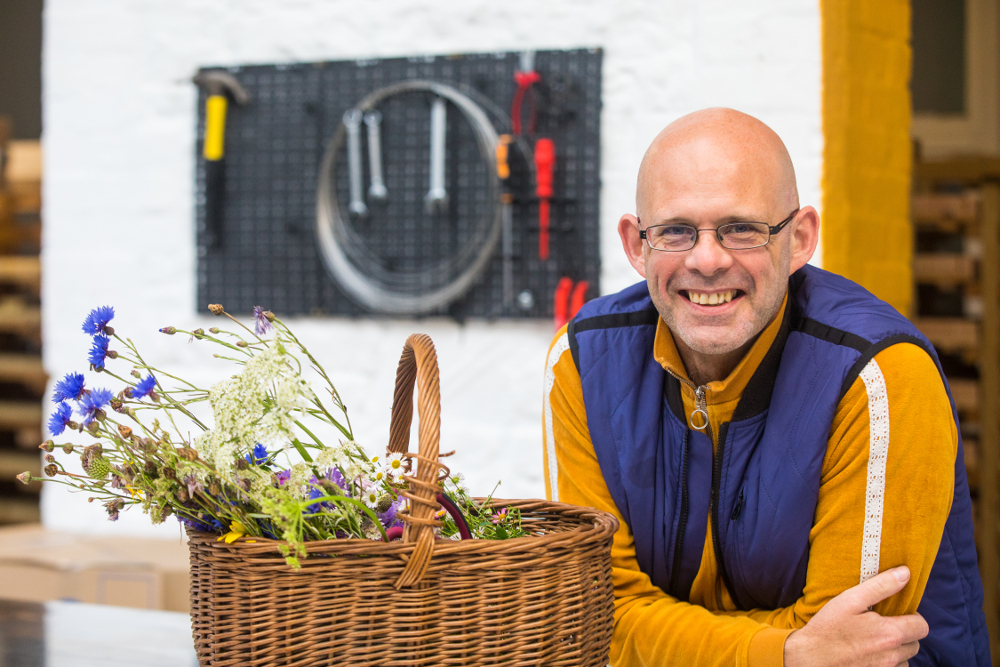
(20, 414)
(24, 162)
(13, 463)
(949, 334)
(19, 318)
(989, 437)
(24, 271)
(935, 208)
(971, 448)
(944, 269)
(24, 368)
(967, 170)
(19, 510)
(965, 392)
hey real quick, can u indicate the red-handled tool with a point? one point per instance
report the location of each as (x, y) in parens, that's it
(561, 310)
(569, 299)
(524, 77)
(545, 162)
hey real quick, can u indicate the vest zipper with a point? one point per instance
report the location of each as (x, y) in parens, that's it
(714, 511)
(700, 403)
(682, 524)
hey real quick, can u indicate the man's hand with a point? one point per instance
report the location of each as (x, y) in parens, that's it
(844, 632)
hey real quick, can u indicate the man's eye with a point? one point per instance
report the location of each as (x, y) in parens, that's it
(675, 230)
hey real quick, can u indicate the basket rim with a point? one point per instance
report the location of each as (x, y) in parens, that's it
(595, 525)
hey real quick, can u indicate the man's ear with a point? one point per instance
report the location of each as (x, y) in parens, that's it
(628, 230)
(805, 236)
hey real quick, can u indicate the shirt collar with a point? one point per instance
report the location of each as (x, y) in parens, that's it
(731, 388)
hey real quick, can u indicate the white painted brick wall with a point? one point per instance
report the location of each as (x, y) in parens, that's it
(119, 133)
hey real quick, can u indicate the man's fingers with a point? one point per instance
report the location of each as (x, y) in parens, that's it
(867, 594)
(912, 628)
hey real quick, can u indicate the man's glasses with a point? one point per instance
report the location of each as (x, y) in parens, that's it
(732, 235)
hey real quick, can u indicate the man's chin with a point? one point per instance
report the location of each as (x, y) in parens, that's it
(713, 340)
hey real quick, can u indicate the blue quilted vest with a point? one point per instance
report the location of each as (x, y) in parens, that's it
(761, 488)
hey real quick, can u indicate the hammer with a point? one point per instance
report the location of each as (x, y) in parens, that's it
(218, 86)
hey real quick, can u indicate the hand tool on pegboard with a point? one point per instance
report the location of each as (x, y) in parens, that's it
(507, 215)
(352, 123)
(219, 87)
(569, 299)
(376, 190)
(437, 197)
(525, 77)
(545, 162)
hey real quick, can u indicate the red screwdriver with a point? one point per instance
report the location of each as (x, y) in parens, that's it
(545, 162)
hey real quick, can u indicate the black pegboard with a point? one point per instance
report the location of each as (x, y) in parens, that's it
(268, 253)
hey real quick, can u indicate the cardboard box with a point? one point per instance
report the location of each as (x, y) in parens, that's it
(39, 565)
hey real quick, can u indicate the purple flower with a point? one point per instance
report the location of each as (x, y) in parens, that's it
(283, 477)
(258, 456)
(70, 388)
(262, 323)
(98, 351)
(60, 419)
(97, 320)
(90, 405)
(144, 387)
(388, 517)
(192, 484)
(337, 478)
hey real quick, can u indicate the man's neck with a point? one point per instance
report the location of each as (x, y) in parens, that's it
(704, 368)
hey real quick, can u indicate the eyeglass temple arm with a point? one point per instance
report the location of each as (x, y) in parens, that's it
(781, 225)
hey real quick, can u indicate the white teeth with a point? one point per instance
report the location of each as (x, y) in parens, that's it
(713, 299)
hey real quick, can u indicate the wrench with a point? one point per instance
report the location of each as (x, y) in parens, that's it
(437, 197)
(377, 190)
(352, 121)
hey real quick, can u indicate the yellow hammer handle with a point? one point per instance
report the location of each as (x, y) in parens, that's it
(215, 126)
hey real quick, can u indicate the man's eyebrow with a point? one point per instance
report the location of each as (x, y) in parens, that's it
(681, 220)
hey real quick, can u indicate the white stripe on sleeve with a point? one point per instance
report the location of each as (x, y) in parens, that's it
(560, 346)
(878, 415)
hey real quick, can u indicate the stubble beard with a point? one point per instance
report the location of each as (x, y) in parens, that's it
(727, 338)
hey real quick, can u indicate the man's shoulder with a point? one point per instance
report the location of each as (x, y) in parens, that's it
(633, 299)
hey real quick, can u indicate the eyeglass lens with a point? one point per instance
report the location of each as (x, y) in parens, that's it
(734, 236)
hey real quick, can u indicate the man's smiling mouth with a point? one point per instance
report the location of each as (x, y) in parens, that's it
(711, 298)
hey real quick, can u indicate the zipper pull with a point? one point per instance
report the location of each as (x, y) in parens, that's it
(701, 408)
(738, 508)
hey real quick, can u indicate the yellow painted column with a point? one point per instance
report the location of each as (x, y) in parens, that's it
(867, 155)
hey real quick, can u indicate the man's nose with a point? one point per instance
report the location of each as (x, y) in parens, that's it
(708, 257)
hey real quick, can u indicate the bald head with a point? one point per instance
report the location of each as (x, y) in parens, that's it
(712, 148)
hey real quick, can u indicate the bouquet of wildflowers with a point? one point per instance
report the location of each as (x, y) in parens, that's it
(257, 469)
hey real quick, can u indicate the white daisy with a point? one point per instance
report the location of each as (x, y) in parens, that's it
(370, 497)
(380, 476)
(394, 465)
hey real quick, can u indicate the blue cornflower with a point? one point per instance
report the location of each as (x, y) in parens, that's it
(99, 351)
(258, 456)
(90, 405)
(144, 387)
(70, 388)
(262, 320)
(60, 419)
(97, 320)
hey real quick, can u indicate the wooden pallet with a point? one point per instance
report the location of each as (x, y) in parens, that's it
(22, 271)
(949, 334)
(943, 269)
(25, 369)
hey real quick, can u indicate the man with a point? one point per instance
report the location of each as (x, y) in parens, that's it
(767, 434)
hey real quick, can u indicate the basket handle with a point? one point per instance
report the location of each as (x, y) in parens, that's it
(418, 363)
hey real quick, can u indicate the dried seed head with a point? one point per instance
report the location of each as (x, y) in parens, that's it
(48, 446)
(169, 473)
(216, 308)
(188, 453)
(213, 488)
(214, 330)
(125, 431)
(112, 354)
(198, 333)
(109, 331)
(269, 315)
(384, 503)
(51, 470)
(117, 406)
(24, 477)
(68, 448)
(49, 458)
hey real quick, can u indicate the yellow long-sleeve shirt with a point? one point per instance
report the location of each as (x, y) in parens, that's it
(653, 628)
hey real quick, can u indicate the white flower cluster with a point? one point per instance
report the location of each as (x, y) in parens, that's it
(256, 406)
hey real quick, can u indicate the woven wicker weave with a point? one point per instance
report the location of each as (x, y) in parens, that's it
(542, 600)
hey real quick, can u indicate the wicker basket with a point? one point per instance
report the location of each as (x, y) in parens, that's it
(542, 600)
